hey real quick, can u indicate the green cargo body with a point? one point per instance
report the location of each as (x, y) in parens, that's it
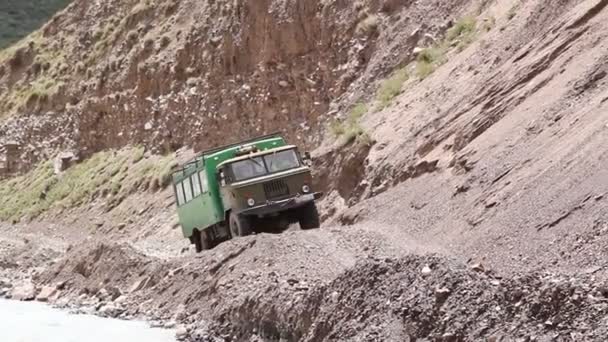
(199, 201)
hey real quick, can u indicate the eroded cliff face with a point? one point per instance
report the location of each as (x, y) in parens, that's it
(103, 74)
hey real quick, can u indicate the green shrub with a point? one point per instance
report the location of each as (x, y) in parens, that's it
(465, 26)
(350, 129)
(429, 59)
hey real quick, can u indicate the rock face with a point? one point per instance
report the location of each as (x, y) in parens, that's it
(173, 73)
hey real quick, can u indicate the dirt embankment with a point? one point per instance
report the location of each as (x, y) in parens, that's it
(331, 285)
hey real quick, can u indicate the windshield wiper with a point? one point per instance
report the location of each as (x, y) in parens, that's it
(272, 161)
(256, 162)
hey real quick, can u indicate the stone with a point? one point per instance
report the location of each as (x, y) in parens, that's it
(181, 333)
(46, 293)
(478, 268)
(169, 325)
(110, 310)
(417, 50)
(63, 161)
(5, 282)
(139, 285)
(148, 126)
(24, 292)
(426, 270)
(441, 294)
(283, 84)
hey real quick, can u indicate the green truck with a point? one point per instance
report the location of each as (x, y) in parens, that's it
(259, 185)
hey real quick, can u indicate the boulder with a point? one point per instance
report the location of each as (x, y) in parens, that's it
(63, 161)
(46, 293)
(24, 292)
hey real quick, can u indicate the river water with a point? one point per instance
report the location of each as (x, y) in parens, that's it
(36, 322)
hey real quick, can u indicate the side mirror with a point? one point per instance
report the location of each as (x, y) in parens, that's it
(221, 178)
(307, 159)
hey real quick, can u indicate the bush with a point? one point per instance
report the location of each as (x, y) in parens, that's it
(429, 59)
(465, 26)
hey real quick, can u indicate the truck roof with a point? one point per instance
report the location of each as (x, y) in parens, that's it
(256, 154)
(211, 158)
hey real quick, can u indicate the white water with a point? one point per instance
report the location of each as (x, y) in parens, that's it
(36, 322)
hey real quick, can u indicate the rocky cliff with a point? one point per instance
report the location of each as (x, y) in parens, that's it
(172, 73)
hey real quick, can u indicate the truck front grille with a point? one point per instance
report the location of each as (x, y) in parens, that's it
(276, 189)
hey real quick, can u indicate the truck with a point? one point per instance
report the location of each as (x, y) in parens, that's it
(254, 186)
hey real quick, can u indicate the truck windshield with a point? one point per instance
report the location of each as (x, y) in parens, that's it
(281, 161)
(260, 166)
(248, 168)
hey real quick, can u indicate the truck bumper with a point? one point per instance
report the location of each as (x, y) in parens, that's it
(277, 206)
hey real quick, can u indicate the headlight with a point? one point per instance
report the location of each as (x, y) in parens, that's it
(305, 189)
(251, 202)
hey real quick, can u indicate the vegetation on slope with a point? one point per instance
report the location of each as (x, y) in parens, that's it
(110, 176)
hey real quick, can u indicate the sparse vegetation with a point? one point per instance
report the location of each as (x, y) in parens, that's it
(461, 35)
(463, 32)
(110, 176)
(390, 88)
(429, 59)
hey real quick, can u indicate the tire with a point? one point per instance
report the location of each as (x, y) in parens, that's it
(202, 241)
(239, 225)
(309, 217)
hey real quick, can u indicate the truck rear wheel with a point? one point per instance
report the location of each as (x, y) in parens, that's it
(309, 216)
(202, 242)
(239, 225)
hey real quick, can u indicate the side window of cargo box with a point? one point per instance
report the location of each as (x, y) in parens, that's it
(196, 185)
(179, 190)
(188, 189)
(204, 182)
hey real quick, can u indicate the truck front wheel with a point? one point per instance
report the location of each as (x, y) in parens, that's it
(239, 225)
(309, 216)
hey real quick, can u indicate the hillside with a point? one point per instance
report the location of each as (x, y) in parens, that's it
(19, 18)
(460, 145)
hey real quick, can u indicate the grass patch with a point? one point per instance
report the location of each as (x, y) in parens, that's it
(110, 175)
(465, 26)
(390, 88)
(429, 59)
